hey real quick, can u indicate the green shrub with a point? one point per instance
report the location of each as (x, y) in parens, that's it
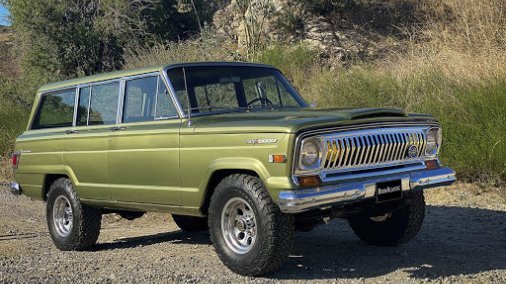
(15, 105)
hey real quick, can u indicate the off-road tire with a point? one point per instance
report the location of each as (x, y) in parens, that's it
(400, 227)
(274, 230)
(86, 220)
(190, 223)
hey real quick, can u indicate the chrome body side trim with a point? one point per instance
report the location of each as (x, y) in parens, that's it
(296, 201)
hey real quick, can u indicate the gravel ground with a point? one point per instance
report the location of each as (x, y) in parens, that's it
(463, 240)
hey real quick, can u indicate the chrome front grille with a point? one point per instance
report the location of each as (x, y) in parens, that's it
(372, 147)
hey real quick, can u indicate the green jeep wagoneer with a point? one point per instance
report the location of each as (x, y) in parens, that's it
(227, 147)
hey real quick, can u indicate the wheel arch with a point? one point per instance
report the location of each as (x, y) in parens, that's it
(50, 178)
(225, 167)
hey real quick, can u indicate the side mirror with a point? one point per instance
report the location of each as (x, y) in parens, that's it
(313, 105)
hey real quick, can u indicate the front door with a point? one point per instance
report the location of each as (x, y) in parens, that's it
(144, 147)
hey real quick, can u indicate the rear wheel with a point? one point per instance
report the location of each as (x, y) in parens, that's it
(392, 228)
(190, 223)
(72, 225)
(249, 233)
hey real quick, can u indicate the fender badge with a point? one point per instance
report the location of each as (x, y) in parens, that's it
(261, 141)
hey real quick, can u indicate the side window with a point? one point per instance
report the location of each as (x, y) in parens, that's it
(164, 106)
(140, 99)
(143, 103)
(83, 106)
(55, 110)
(177, 80)
(103, 104)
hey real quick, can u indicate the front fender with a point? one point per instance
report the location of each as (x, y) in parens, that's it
(248, 164)
(274, 184)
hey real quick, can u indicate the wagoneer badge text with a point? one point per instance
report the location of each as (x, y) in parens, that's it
(261, 141)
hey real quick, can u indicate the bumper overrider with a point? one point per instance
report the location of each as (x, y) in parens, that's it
(296, 201)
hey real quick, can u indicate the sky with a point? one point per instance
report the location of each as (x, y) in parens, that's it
(3, 16)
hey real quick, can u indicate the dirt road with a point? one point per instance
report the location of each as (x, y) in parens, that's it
(463, 240)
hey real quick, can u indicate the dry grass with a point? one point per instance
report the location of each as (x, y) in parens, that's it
(465, 41)
(5, 37)
(470, 24)
(6, 174)
(207, 47)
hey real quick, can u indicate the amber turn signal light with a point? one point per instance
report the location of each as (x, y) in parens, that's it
(431, 164)
(307, 181)
(280, 159)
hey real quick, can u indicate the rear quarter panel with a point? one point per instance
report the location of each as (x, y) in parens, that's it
(41, 153)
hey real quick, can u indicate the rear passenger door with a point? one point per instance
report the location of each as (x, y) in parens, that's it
(87, 143)
(144, 148)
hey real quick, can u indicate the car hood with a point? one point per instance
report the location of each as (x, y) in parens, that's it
(295, 121)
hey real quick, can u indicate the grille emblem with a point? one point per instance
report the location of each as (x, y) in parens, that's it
(412, 151)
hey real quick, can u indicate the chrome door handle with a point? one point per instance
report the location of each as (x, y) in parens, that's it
(72, 131)
(118, 128)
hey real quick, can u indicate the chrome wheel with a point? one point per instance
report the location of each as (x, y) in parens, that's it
(238, 225)
(62, 216)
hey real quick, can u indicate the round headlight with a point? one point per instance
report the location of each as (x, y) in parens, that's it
(310, 153)
(433, 141)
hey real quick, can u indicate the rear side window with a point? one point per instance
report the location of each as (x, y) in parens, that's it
(55, 110)
(98, 105)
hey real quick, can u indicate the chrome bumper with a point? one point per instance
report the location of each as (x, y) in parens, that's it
(296, 201)
(15, 188)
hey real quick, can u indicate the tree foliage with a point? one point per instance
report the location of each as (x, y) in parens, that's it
(59, 39)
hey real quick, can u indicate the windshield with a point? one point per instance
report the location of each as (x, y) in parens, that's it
(212, 89)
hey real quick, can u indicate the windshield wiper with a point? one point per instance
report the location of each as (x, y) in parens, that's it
(273, 107)
(214, 109)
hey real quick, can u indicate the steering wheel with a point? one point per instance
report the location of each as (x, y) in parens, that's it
(262, 100)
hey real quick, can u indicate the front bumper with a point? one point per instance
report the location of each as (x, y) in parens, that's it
(296, 201)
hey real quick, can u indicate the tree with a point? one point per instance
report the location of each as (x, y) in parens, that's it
(58, 39)
(254, 14)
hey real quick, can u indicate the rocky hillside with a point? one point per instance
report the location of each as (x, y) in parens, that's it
(352, 29)
(366, 30)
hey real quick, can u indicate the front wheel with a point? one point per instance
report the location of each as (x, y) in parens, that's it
(391, 228)
(249, 233)
(72, 225)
